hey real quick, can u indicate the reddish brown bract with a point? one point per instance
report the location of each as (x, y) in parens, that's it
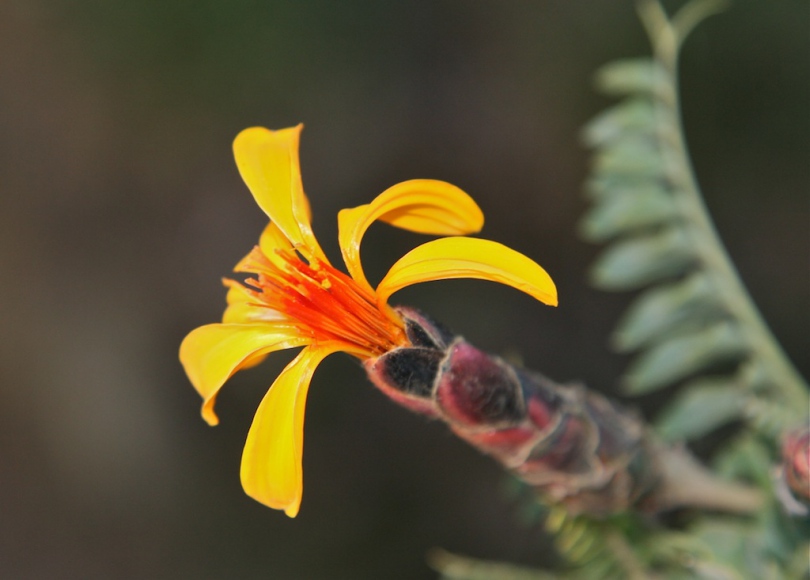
(571, 445)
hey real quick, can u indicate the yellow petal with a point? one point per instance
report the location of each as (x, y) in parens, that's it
(425, 206)
(212, 353)
(268, 163)
(271, 461)
(240, 307)
(468, 258)
(273, 239)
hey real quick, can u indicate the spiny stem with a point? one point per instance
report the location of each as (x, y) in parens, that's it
(666, 37)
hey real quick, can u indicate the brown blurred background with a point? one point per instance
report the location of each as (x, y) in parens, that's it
(121, 208)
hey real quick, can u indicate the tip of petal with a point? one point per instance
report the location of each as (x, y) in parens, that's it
(263, 133)
(208, 414)
(292, 510)
(290, 506)
(548, 295)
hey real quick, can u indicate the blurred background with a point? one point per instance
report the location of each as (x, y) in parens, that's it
(121, 209)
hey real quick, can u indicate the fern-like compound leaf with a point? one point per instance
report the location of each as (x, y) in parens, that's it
(695, 313)
(693, 321)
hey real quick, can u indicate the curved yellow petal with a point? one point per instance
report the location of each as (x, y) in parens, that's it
(212, 353)
(426, 206)
(273, 239)
(268, 163)
(271, 469)
(468, 258)
(240, 307)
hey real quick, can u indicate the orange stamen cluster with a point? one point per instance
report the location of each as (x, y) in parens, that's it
(322, 302)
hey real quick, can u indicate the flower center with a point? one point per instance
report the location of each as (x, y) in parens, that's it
(322, 302)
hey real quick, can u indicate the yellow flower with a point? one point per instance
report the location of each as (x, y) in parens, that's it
(294, 297)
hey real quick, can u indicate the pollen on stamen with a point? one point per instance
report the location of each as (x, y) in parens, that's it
(322, 301)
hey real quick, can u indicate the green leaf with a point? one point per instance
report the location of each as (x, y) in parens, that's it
(638, 116)
(632, 75)
(667, 309)
(701, 407)
(679, 357)
(641, 260)
(607, 185)
(455, 567)
(634, 155)
(772, 418)
(738, 550)
(676, 548)
(746, 458)
(601, 568)
(626, 212)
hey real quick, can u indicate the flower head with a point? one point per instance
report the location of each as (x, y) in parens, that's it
(294, 297)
